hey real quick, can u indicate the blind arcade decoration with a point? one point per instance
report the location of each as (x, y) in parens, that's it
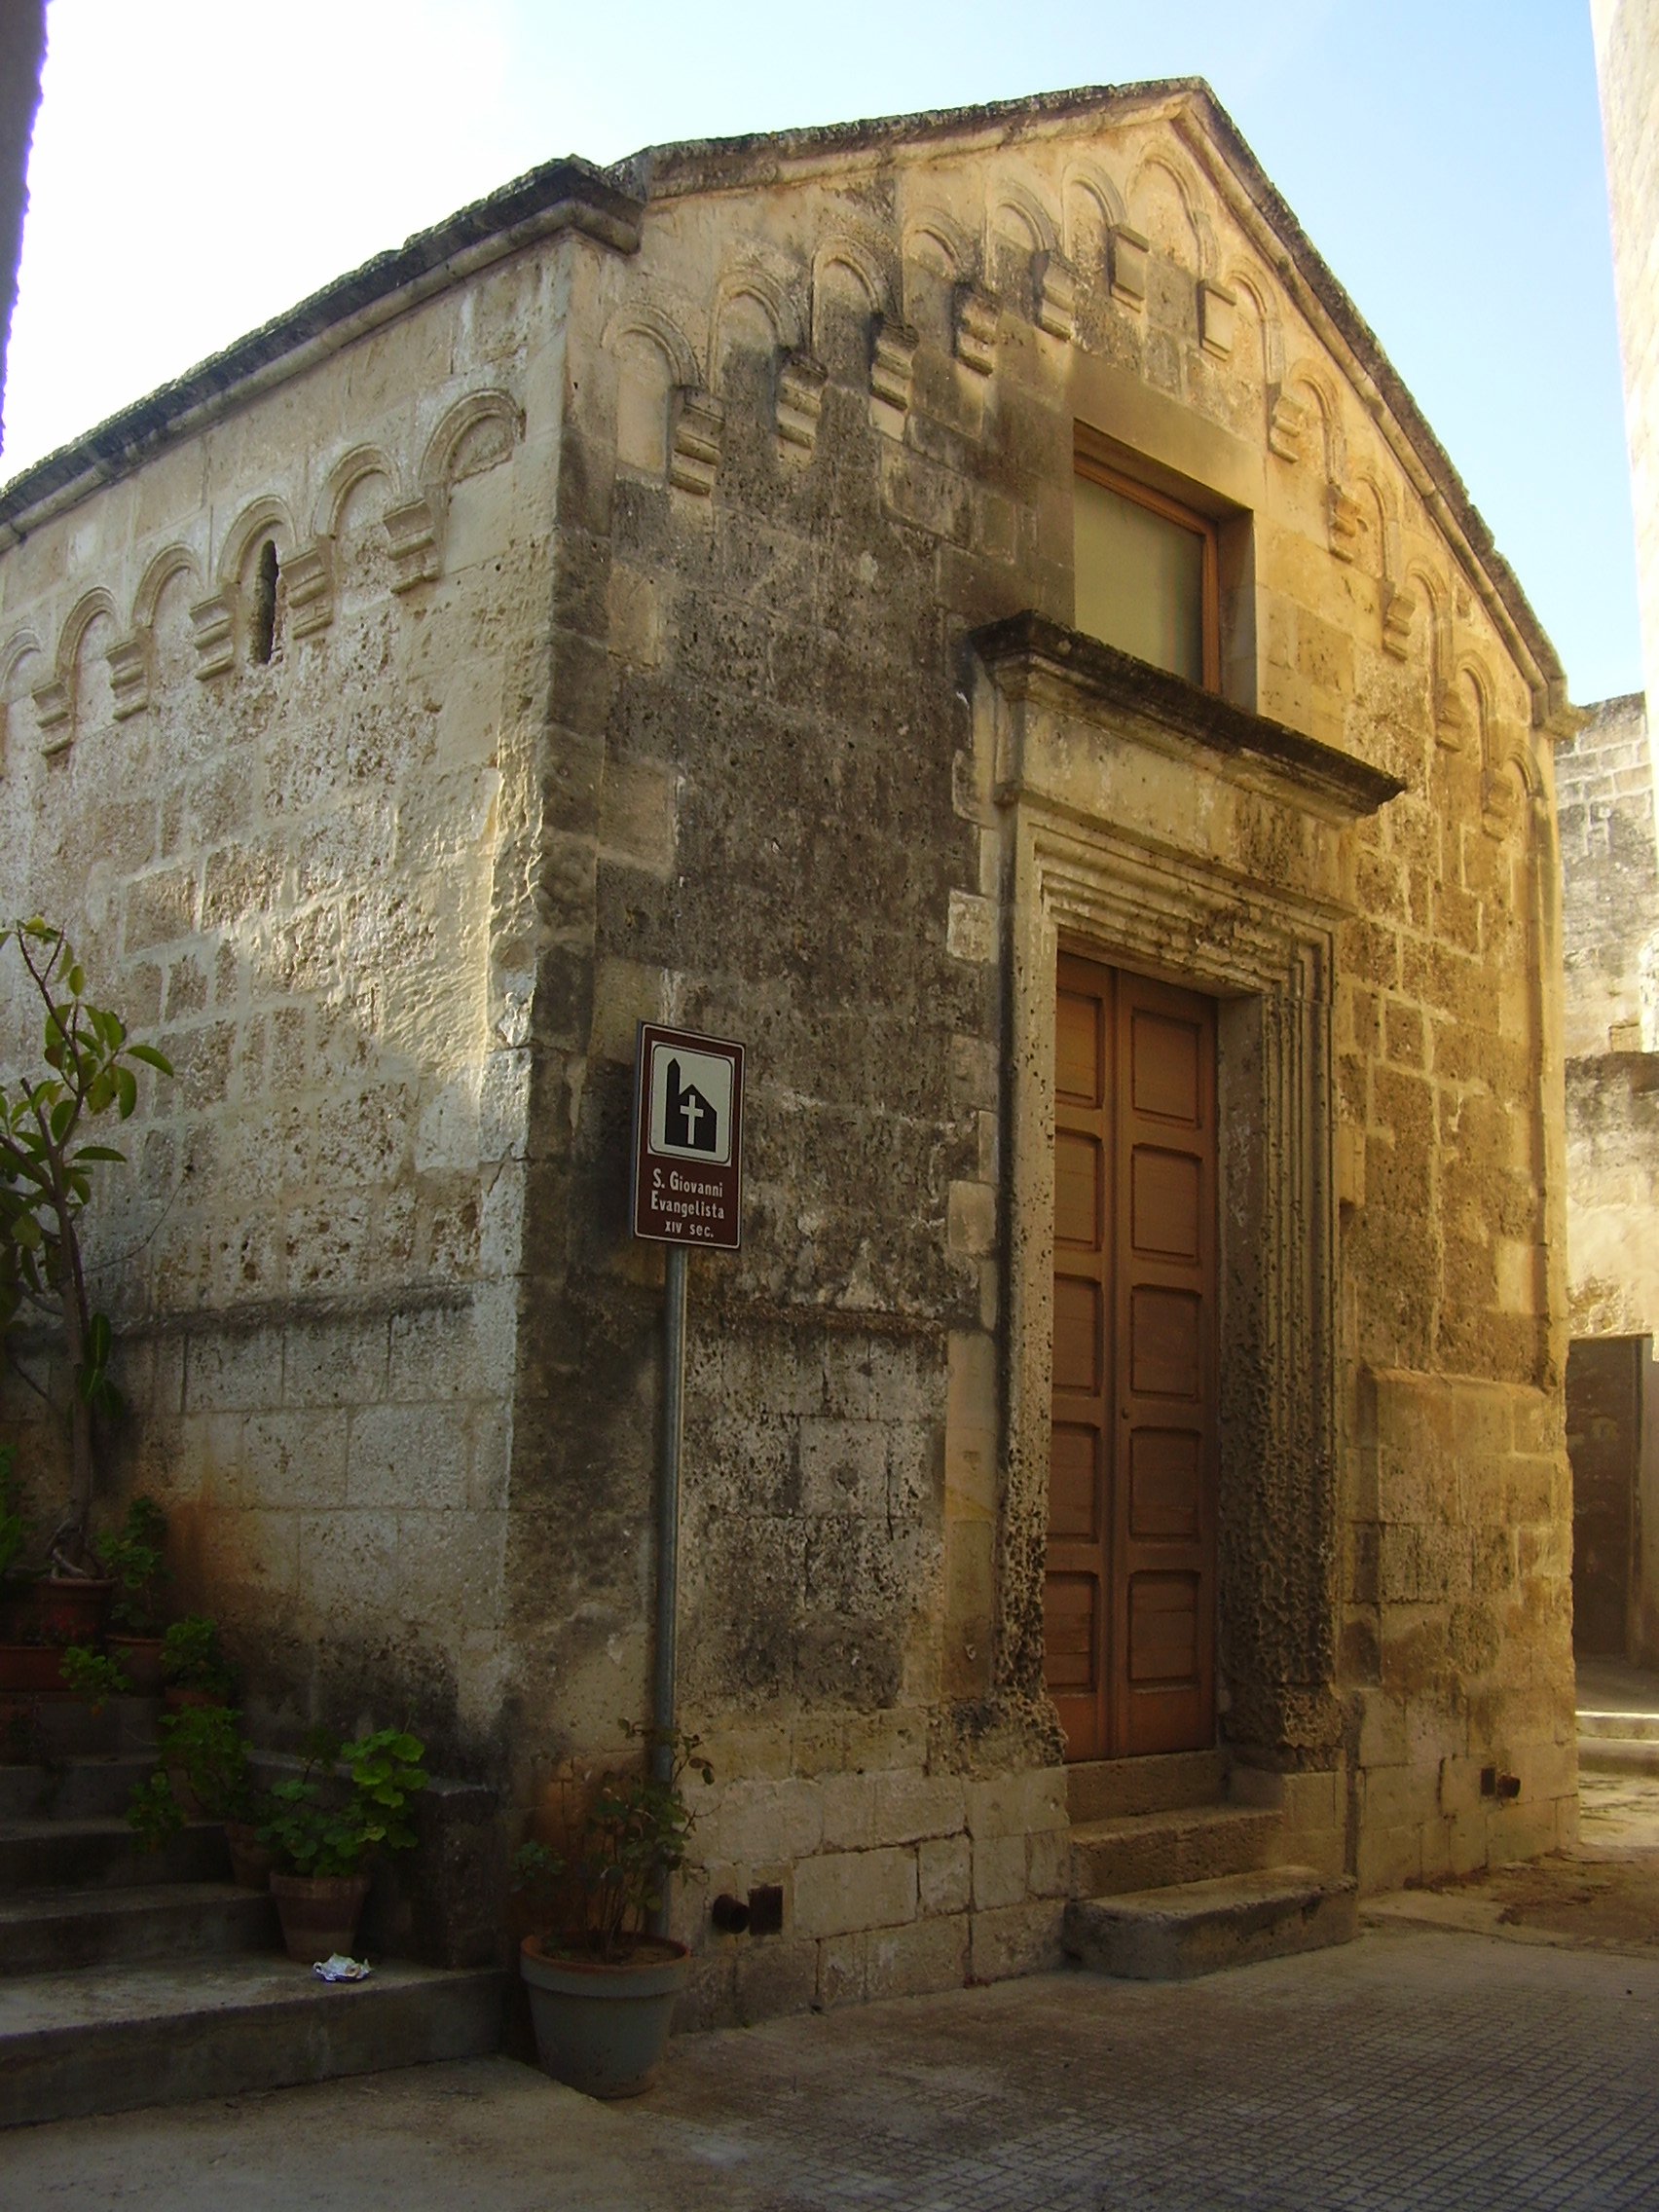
(687, 1139)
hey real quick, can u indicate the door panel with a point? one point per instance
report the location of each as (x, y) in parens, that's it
(1131, 1603)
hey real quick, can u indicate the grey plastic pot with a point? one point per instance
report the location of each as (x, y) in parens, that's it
(603, 2027)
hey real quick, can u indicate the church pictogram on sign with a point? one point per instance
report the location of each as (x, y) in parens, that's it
(688, 1102)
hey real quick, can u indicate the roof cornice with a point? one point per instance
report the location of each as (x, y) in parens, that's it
(569, 195)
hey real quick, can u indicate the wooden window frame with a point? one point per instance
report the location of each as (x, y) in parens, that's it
(1088, 462)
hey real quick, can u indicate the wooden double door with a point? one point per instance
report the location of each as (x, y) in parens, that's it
(1130, 1599)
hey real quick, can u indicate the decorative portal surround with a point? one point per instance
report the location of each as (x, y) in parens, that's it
(1130, 809)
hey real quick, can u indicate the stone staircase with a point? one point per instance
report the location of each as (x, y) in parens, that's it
(1171, 1876)
(1618, 1743)
(128, 1979)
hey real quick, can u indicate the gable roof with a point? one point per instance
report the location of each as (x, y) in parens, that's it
(609, 204)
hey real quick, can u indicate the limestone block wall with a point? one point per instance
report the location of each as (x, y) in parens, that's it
(294, 874)
(1610, 870)
(1627, 69)
(824, 430)
(1611, 937)
(628, 595)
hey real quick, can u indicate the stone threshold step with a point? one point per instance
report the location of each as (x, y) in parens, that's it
(1608, 1755)
(78, 1789)
(1631, 1727)
(1161, 1782)
(97, 2041)
(1150, 1851)
(1204, 1927)
(105, 1854)
(47, 1930)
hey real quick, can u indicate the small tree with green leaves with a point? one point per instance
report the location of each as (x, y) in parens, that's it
(46, 1183)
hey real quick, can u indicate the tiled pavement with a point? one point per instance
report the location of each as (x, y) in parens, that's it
(1416, 2067)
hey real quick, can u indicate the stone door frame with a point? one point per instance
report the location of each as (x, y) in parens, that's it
(1055, 711)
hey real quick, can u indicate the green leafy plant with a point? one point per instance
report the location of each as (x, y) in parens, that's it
(319, 1830)
(92, 1677)
(133, 1555)
(193, 1659)
(201, 1754)
(46, 1183)
(204, 1744)
(622, 1834)
(153, 1812)
(14, 1528)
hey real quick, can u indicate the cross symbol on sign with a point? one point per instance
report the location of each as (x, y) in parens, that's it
(694, 1110)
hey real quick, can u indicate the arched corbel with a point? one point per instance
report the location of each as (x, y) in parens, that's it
(56, 699)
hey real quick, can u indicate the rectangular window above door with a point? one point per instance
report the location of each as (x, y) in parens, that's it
(1146, 570)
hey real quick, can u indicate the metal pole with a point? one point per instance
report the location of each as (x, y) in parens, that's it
(668, 1531)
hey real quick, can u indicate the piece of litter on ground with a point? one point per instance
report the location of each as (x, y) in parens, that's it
(337, 1967)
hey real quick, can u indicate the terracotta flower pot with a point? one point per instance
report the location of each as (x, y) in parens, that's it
(319, 1913)
(140, 1658)
(70, 1609)
(600, 2025)
(28, 1669)
(250, 1862)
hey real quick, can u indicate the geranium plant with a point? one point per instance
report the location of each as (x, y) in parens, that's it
(45, 1185)
(322, 1831)
(193, 1658)
(623, 1834)
(133, 1555)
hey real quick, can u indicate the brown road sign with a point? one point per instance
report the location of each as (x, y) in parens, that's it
(687, 1131)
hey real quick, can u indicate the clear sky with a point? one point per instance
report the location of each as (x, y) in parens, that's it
(201, 165)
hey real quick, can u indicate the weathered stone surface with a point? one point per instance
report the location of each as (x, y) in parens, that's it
(680, 566)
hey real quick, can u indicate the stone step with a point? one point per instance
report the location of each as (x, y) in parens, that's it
(1149, 1851)
(79, 1790)
(64, 1728)
(53, 1929)
(1171, 1934)
(105, 1854)
(102, 2041)
(1168, 1782)
(1612, 1754)
(1631, 1727)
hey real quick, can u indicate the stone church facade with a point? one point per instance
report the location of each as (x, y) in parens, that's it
(655, 595)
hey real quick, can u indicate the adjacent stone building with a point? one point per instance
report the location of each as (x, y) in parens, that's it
(964, 606)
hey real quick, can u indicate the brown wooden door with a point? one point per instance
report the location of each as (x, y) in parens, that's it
(1129, 1612)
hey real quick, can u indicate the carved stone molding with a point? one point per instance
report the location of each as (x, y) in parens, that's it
(1218, 319)
(212, 632)
(1398, 616)
(1342, 513)
(129, 675)
(800, 400)
(1056, 296)
(1454, 723)
(308, 577)
(1092, 872)
(694, 456)
(977, 330)
(893, 356)
(1288, 424)
(54, 711)
(414, 529)
(1128, 266)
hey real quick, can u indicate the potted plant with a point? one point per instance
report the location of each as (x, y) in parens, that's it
(323, 1832)
(134, 1557)
(202, 1773)
(90, 1676)
(45, 1185)
(601, 1989)
(193, 1665)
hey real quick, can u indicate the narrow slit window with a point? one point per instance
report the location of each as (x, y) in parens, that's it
(1146, 574)
(265, 603)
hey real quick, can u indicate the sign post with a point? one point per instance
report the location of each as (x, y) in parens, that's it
(688, 1192)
